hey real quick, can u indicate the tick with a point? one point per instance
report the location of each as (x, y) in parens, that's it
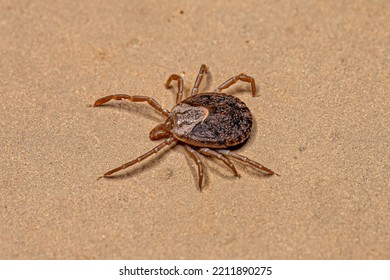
(205, 123)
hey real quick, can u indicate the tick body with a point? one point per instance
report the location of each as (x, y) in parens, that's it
(205, 123)
(213, 120)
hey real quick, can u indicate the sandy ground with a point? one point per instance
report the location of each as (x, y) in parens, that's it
(321, 121)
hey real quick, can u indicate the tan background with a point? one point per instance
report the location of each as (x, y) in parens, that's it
(321, 121)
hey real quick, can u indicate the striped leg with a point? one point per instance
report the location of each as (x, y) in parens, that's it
(134, 98)
(217, 155)
(199, 78)
(235, 79)
(247, 160)
(179, 80)
(140, 158)
(196, 157)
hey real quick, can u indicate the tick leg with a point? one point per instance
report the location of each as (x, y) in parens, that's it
(179, 80)
(247, 160)
(198, 80)
(134, 98)
(235, 79)
(196, 157)
(217, 155)
(140, 158)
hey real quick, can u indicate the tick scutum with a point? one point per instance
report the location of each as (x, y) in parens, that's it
(228, 122)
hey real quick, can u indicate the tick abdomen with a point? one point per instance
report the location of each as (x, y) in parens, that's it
(226, 121)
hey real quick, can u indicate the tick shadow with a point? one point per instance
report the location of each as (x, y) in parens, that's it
(243, 90)
(208, 83)
(218, 168)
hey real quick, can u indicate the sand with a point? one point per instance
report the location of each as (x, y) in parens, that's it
(321, 121)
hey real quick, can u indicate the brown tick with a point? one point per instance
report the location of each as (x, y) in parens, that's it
(205, 123)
